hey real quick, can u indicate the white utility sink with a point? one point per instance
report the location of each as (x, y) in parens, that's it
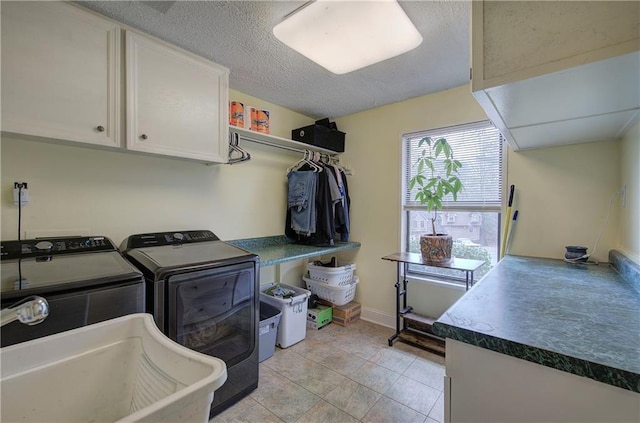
(122, 370)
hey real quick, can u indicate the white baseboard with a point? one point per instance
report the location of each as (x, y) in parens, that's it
(378, 317)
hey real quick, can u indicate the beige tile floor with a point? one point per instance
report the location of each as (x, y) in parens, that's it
(343, 375)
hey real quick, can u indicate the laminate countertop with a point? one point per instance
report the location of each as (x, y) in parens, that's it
(279, 249)
(578, 318)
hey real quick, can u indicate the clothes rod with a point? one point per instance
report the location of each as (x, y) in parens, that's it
(283, 147)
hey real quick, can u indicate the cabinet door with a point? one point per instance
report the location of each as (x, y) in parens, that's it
(60, 73)
(176, 102)
(556, 73)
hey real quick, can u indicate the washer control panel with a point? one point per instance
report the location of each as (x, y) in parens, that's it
(53, 246)
(167, 238)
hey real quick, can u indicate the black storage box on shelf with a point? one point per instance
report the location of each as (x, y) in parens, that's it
(323, 134)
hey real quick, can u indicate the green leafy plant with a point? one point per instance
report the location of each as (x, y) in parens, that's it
(435, 159)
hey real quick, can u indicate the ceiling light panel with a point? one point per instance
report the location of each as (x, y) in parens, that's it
(343, 36)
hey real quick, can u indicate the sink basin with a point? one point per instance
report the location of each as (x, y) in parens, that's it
(120, 370)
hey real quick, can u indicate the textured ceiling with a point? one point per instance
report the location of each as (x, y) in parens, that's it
(238, 35)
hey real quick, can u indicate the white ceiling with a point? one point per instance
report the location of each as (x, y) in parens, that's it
(238, 35)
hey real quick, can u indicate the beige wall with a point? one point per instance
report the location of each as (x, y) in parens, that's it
(562, 194)
(630, 176)
(373, 150)
(81, 190)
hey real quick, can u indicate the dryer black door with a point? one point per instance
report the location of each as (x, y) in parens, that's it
(214, 311)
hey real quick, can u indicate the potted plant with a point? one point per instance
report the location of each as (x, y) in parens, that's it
(436, 178)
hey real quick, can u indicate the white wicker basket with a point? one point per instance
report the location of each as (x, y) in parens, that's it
(341, 275)
(338, 295)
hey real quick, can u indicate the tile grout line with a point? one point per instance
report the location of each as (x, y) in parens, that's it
(371, 343)
(327, 401)
(382, 394)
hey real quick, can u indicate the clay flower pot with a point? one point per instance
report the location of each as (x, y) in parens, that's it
(436, 248)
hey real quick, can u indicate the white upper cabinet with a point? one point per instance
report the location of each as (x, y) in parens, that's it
(556, 73)
(60, 73)
(177, 103)
(64, 69)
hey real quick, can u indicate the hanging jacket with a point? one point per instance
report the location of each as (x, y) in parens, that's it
(342, 222)
(325, 232)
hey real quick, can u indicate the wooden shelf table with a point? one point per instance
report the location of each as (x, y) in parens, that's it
(403, 261)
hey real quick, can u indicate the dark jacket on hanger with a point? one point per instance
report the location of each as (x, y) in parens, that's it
(325, 226)
(342, 222)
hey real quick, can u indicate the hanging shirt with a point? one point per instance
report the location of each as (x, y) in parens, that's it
(342, 222)
(334, 189)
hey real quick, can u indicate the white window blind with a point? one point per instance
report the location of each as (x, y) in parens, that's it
(479, 147)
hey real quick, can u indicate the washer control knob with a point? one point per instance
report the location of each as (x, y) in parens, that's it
(44, 245)
(178, 236)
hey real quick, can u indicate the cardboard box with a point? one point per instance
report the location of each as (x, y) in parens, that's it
(346, 314)
(319, 316)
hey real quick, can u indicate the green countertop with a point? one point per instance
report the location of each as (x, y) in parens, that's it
(582, 319)
(279, 249)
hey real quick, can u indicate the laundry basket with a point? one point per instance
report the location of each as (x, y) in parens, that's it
(338, 295)
(120, 370)
(341, 275)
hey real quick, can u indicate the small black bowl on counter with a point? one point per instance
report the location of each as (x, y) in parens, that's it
(576, 254)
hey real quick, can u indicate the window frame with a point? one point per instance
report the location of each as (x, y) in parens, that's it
(451, 282)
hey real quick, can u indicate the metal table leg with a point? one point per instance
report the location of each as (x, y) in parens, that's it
(401, 291)
(398, 293)
(469, 278)
(405, 308)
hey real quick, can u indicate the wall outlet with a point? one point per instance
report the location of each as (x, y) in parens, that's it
(20, 193)
(623, 194)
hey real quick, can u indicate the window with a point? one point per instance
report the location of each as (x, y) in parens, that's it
(474, 220)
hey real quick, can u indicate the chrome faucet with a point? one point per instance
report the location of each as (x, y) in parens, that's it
(30, 311)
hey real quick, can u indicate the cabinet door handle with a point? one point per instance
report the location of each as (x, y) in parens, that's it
(100, 128)
(144, 136)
